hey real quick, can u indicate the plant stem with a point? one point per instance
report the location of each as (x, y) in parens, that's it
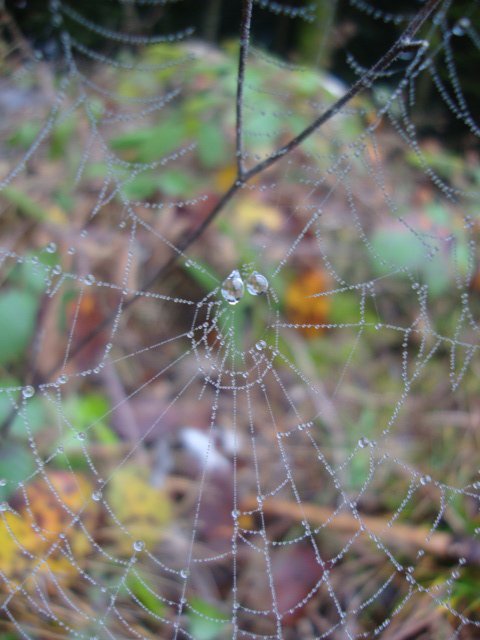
(242, 63)
(404, 42)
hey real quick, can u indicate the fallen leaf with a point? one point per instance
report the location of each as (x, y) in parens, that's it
(251, 213)
(301, 308)
(30, 529)
(143, 509)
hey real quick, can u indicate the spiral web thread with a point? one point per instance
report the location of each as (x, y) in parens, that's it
(276, 430)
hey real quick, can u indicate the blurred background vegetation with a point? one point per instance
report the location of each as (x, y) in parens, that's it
(152, 496)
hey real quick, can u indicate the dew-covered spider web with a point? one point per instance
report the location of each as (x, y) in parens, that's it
(265, 426)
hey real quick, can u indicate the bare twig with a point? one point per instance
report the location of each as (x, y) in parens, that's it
(402, 43)
(242, 61)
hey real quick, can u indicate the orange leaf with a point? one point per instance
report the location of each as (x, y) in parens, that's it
(301, 308)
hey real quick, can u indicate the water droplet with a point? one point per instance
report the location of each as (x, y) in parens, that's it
(260, 346)
(363, 443)
(426, 479)
(138, 545)
(89, 280)
(60, 449)
(28, 392)
(461, 26)
(184, 573)
(235, 514)
(71, 251)
(3, 507)
(190, 334)
(233, 288)
(51, 247)
(97, 496)
(57, 270)
(81, 435)
(257, 284)
(63, 379)
(3, 482)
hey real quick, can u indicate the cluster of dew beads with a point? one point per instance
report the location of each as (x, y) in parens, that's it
(233, 287)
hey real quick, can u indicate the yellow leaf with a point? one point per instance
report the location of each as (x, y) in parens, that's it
(143, 509)
(225, 177)
(57, 215)
(32, 530)
(251, 213)
(301, 308)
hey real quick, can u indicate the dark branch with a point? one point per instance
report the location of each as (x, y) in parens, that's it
(242, 61)
(404, 42)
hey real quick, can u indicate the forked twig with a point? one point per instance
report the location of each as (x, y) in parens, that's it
(404, 42)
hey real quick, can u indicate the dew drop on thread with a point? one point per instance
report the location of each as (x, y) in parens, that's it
(257, 284)
(233, 288)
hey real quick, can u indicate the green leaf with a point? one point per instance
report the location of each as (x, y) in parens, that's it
(18, 310)
(33, 276)
(85, 411)
(141, 187)
(205, 275)
(202, 628)
(61, 135)
(397, 248)
(24, 203)
(16, 464)
(25, 135)
(175, 183)
(359, 466)
(32, 415)
(148, 145)
(211, 145)
(138, 586)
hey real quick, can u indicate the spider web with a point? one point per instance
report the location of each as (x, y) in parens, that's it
(271, 458)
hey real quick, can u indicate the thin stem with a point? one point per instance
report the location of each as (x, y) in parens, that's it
(242, 61)
(403, 42)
